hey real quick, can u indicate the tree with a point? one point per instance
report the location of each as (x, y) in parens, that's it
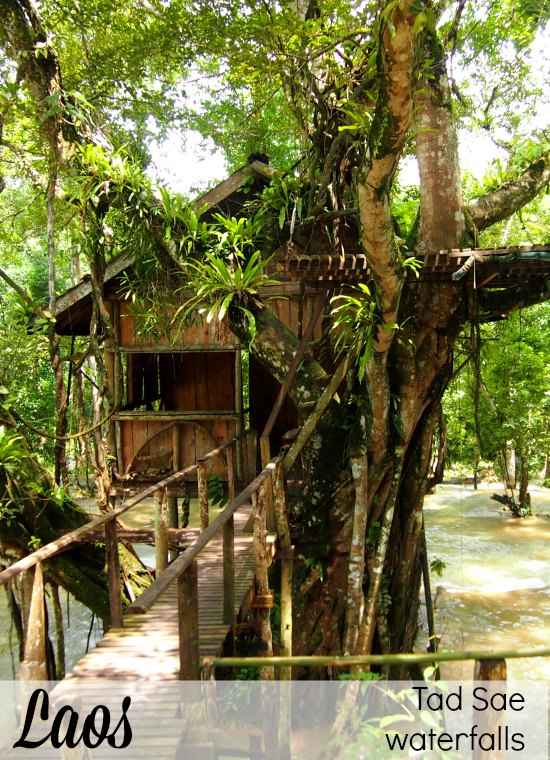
(355, 87)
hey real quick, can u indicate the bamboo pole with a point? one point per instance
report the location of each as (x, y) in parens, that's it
(113, 572)
(202, 485)
(420, 658)
(161, 532)
(188, 623)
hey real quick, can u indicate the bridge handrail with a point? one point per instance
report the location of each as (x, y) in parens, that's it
(413, 658)
(145, 601)
(65, 542)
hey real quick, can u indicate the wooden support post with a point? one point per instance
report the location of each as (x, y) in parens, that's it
(490, 721)
(251, 455)
(175, 447)
(432, 639)
(173, 521)
(113, 572)
(119, 447)
(231, 474)
(34, 666)
(188, 616)
(265, 451)
(287, 566)
(202, 484)
(229, 575)
(239, 408)
(161, 532)
(263, 599)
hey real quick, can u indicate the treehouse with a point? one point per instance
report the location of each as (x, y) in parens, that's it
(182, 393)
(185, 393)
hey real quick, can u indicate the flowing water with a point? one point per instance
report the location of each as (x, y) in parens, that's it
(494, 592)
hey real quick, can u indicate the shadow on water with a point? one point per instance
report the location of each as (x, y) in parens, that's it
(495, 589)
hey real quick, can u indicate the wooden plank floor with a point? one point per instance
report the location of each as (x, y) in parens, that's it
(147, 646)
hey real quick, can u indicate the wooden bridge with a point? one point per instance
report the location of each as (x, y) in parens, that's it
(191, 609)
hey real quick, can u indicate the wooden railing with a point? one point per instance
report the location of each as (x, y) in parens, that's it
(183, 570)
(36, 625)
(346, 661)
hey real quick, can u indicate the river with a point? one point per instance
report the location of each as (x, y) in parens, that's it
(494, 592)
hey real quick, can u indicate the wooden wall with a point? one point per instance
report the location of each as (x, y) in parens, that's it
(186, 406)
(213, 335)
(181, 398)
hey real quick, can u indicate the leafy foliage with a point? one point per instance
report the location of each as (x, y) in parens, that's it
(353, 319)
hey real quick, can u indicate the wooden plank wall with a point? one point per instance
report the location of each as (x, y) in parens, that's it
(215, 334)
(193, 382)
(296, 310)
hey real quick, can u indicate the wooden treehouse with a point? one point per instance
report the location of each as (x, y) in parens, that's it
(182, 413)
(183, 397)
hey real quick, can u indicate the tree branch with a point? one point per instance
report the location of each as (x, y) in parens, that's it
(391, 121)
(511, 197)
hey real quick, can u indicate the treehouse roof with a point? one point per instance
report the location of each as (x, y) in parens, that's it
(312, 257)
(74, 306)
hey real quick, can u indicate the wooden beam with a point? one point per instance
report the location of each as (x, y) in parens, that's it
(202, 484)
(294, 364)
(188, 623)
(34, 666)
(161, 531)
(229, 572)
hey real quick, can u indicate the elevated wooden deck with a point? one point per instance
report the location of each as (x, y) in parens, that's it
(147, 646)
